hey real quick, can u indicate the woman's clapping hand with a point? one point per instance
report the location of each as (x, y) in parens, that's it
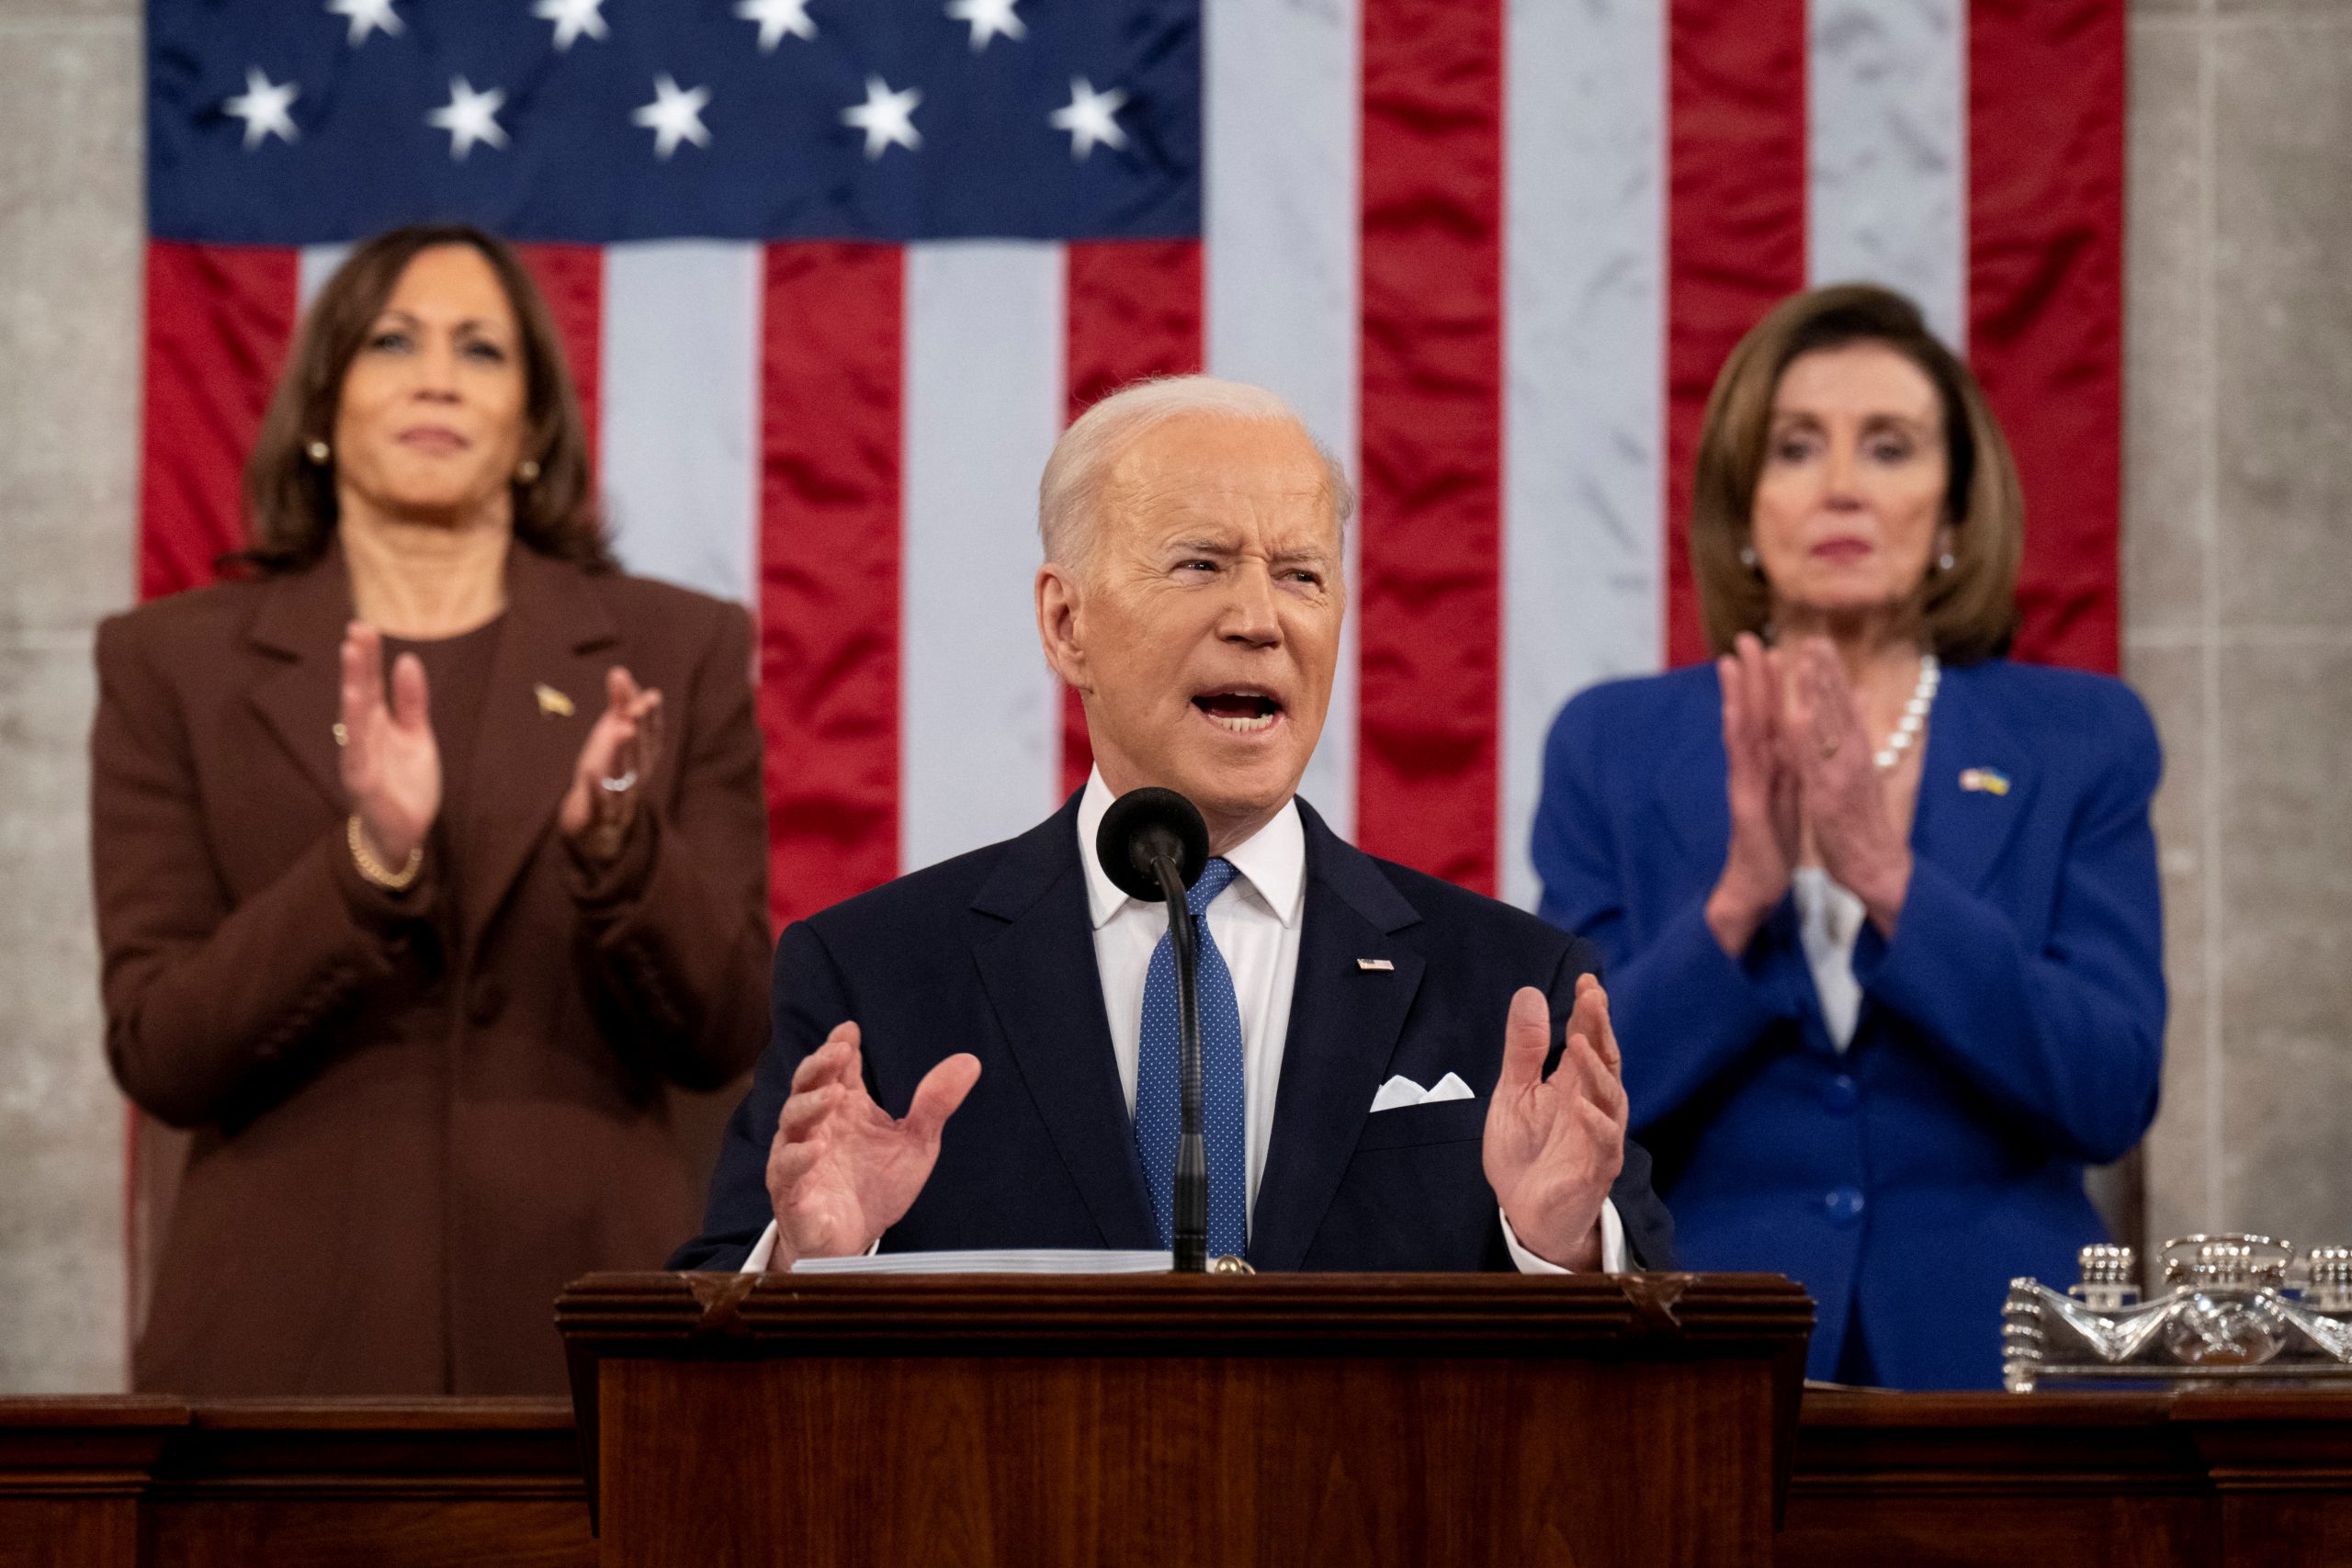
(1799, 777)
(1847, 814)
(615, 764)
(392, 766)
(1766, 821)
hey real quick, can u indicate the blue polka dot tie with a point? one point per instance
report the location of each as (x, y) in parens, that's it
(1224, 1119)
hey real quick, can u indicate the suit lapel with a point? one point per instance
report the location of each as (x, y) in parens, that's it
(1344, 1024)
(559, 635)
(1963, 829)
(1037, 960)
(300, 630)
(1689, 805)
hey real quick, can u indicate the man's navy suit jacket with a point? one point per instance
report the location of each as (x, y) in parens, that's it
(993, 952)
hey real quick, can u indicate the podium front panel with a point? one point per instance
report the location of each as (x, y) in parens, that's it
(1422, 1420)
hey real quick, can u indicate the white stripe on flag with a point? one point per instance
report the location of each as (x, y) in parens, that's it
(1585, 405)
(1279, 258)
(312, 267)
(1886, 192)
(980, 712)
(680, 396)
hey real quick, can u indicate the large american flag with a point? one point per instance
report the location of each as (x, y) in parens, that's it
(834, 272)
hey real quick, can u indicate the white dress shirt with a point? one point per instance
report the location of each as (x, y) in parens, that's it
(1255, 924)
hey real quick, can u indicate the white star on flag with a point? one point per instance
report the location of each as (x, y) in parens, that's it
(885, 117)
(263, 108)
(1088, 118)
(365, 16)
(674, 114)
(470, 117)
(777, 18)
(571, 18)
(988, 18)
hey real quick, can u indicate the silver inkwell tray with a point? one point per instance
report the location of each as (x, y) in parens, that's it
(2236, 1310)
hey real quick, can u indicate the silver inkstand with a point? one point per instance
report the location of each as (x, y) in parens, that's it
(2236, 1309)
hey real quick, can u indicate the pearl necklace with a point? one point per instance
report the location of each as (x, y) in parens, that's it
(1914, 714)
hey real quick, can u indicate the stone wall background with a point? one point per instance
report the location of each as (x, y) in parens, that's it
(2237, 604)
(2238, 594)
(69, 289)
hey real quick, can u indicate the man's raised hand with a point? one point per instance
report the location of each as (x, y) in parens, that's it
(841, 1169)
(1553, 1145)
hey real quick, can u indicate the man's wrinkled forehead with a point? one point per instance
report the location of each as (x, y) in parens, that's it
(1220, 474)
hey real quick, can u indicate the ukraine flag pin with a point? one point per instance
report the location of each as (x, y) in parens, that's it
(1987, 779)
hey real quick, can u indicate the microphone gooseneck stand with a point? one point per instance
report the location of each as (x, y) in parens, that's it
(1191, 1227)
(1153, 844)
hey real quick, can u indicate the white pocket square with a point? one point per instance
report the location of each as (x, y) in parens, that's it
(1400, 1091)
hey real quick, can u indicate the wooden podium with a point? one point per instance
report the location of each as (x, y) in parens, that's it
(1288, 1419)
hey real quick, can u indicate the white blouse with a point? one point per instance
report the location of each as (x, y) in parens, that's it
(1830, 918)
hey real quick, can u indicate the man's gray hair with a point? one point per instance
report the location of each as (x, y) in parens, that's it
(1069, 496)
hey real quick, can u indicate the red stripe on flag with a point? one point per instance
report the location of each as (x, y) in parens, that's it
(220, 319)
(1431, 432)
(572, 279)
(831, 370)
(1134, 311)
(2045, 175)
(1735, 117)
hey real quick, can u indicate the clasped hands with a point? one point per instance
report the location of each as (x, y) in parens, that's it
(392, 766)
(842, 1170)
(1800, 772)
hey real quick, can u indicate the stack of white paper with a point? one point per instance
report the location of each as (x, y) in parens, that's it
(1004, 1260)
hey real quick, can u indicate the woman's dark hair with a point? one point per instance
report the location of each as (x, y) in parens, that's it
(290, 501)
(1970, 611)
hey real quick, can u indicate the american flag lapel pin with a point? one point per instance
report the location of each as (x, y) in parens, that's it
(1375, 966)
(1988, 780)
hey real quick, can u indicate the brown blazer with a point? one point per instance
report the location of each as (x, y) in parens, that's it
(404, 1145)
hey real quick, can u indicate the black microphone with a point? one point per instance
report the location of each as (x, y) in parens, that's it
(1153, 845)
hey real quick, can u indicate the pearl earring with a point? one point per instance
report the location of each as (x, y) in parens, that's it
(527, 471)
(318, 452)
(1747, 557)
(1947, 563)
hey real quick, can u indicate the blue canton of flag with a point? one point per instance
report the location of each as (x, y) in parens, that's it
(296, 122)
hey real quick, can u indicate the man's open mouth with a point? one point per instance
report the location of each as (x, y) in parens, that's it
(1243, 712)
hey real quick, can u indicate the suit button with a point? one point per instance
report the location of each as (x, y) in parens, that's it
(1844, 1203)
(486, 1002)
(1841, 1094)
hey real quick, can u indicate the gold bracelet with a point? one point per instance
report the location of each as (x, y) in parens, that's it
(374, 870)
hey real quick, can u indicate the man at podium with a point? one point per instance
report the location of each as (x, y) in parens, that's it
(1398, 1074)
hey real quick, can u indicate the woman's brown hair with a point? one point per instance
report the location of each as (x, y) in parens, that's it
(290, 501)
(1970, 611)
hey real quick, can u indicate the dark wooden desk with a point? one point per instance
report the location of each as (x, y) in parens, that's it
(2112, 1479)
(417, 1484)
(1918, 1481)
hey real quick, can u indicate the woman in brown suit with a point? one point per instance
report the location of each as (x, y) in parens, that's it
(416, 948)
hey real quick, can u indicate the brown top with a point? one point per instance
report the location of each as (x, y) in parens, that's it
(406, 1142)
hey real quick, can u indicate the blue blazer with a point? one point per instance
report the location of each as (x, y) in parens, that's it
(2009, 1033)
(993, 952)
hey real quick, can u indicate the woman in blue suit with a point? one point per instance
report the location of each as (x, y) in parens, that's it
(1880, 907)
